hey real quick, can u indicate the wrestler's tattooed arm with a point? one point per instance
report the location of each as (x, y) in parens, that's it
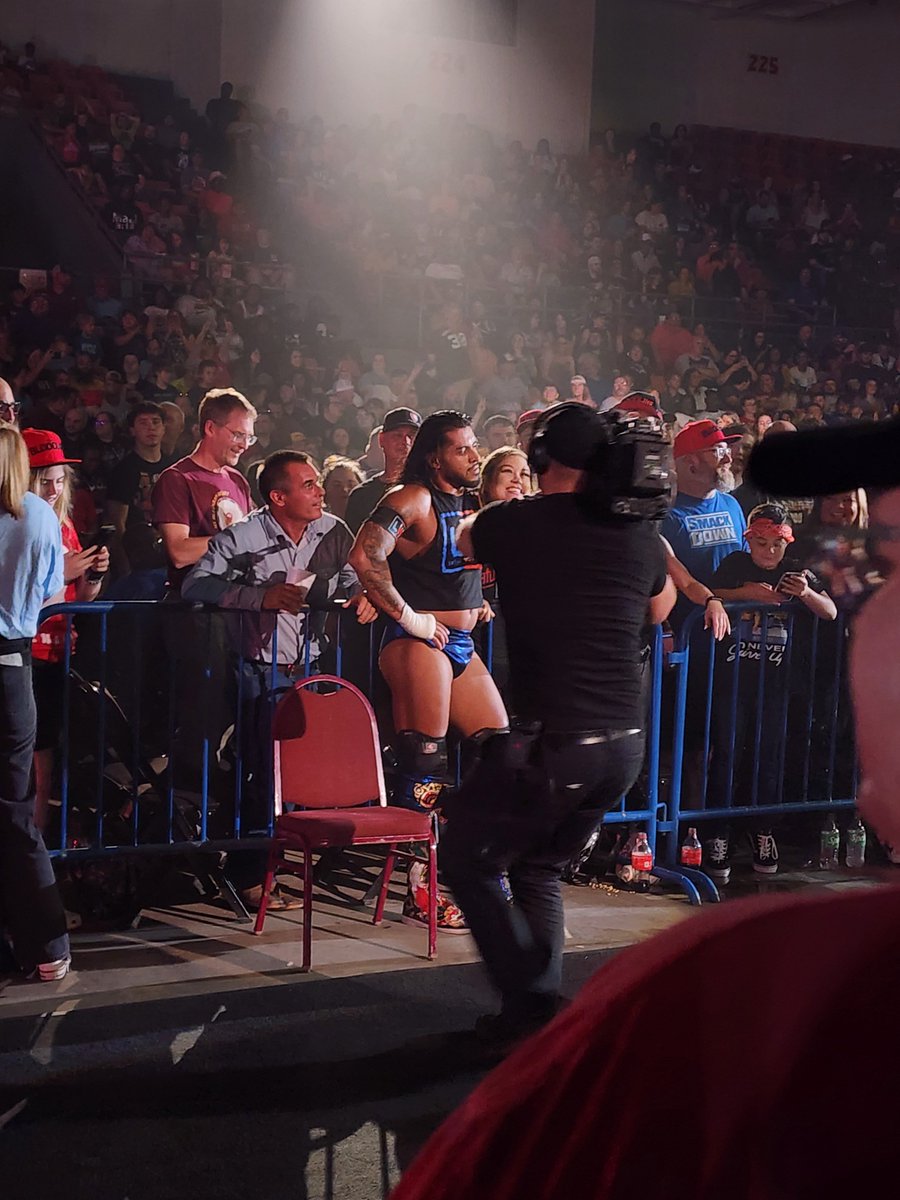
(375, 543)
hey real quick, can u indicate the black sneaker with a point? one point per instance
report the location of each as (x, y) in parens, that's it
(765, 852)
(716, 862)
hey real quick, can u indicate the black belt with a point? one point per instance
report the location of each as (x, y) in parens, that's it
(11, 645)
(586, 737)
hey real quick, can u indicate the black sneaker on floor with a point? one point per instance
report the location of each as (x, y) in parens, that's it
(765, 852)
(716, 862)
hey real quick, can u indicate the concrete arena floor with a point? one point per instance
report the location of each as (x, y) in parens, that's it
(186, 1058)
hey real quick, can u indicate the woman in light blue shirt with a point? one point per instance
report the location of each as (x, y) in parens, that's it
(31, 571)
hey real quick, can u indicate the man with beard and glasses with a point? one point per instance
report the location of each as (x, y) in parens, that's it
(705, 524)
(433, 600)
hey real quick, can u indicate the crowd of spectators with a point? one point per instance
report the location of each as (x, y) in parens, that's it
(716, 296)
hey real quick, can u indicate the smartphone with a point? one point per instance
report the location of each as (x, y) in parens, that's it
(779, 586)
(105, 535)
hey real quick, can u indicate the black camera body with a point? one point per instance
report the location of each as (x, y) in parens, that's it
(631, 472)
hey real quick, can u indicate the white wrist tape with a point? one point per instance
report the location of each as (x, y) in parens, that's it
(416, 624)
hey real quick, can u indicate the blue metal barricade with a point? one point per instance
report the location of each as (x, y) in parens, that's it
(762, 722)
(142, 765)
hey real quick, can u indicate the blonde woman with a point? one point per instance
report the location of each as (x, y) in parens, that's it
(31, 571)
(83, 570)
(505, 475)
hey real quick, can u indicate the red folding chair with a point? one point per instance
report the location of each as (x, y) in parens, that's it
(327, 758)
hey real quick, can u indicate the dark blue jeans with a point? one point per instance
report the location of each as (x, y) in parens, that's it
(31, 908)
(529, 824)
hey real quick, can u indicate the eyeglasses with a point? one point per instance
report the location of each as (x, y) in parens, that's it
(239, 437)
(9, 410)
(720, 451)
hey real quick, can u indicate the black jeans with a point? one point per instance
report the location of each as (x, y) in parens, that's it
(30, 904)
(529, 824)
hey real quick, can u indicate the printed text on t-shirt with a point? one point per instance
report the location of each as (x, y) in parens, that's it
(711, 529)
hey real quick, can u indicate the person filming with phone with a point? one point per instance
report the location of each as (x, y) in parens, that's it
(84, 572)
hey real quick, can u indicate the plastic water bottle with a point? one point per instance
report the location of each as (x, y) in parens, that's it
(691, 850)
(829, 846)
(855, 847)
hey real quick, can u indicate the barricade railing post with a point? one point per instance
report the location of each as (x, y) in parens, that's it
(835, 706)
(680, 658)
(760, 708)
(204, 742)
(653, 735)
(270, 765)
(66, 728)
(170, 747)
(136, 730)
(101, 728)
(239, 731)
(810, 702)
(710, 650)
(786, 703)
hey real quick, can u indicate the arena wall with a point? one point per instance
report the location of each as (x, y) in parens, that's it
(834, 75)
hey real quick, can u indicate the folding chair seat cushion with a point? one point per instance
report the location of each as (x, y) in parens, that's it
(343, 827)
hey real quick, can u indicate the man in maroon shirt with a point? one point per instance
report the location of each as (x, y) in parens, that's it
(193, 499)
(204, 492)
(747, 1052)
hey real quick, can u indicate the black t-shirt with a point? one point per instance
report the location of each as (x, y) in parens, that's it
(123, 216)
(131, 483)
(158, 392)
(574, 593)
(739, 568)
(451, 352)
(363, 501)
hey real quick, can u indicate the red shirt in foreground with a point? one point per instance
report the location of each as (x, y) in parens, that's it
(748, 1054)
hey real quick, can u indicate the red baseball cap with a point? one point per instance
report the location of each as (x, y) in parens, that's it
(701, 435)
(640, 403)
(45, 449)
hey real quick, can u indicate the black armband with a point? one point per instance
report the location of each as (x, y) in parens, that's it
(389, 519)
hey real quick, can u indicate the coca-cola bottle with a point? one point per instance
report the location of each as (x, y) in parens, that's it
(691, 850)
(641, 862)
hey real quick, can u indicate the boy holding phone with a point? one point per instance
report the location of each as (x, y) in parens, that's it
(766, 574)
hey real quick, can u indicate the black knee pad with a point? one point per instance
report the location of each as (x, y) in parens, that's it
(420, 756)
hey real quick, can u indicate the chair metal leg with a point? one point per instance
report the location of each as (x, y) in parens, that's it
(268, 883)
(374, 888)
(432, 896)
(385, 880)
(307, 909)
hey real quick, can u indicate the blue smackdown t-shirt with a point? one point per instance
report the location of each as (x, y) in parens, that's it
(702, 533)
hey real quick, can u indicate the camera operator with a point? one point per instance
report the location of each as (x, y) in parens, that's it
(830, 963)
(578, 582)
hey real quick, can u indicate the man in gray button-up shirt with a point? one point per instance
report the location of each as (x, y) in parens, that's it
(278, 559)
